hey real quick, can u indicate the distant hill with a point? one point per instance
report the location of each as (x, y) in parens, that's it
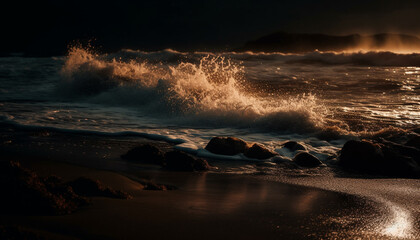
(304, 42)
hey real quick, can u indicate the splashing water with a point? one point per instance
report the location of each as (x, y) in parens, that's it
(261, 97)
(188, 98)
(211, 90)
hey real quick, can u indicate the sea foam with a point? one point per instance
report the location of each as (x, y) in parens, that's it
(209, 91)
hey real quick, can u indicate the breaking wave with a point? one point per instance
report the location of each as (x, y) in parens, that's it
(209, 91)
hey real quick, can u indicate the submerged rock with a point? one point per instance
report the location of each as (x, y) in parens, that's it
(227, 145)
(305, 159)
(294, 146)
(258, 151)
(180, 161)
(385, 158)
(145, 153)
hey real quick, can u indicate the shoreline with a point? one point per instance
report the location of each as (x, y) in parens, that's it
(205, 205)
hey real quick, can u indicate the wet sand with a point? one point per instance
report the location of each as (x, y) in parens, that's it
(396, 200)
(204, 205)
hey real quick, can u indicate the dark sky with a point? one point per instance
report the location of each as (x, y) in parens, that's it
(50, 25)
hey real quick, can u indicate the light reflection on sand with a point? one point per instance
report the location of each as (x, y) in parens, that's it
(399, 224)
(306, 202)
(395, 222)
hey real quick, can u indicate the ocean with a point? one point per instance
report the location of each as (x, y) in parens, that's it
(88, 108)
(320, 99)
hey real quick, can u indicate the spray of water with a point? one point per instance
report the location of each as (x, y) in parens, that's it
(212, 90)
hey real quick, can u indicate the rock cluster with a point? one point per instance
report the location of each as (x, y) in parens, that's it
(381, 157)
(145, 153)
(258, 151)
(227, 145)
(305, 159)
(180, 161)
(94, 188)
(294, 146)
(233, 146)
(24, 192)
(173, 160)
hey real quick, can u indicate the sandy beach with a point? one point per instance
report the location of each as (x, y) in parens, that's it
(206, 205)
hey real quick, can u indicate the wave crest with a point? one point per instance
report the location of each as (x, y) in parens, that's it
(209, 91)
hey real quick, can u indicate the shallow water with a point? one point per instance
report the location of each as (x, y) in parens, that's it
(319, 99)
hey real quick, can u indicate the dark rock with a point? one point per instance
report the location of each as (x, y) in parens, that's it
(414, 142)
(401, 160)
(258, 151)
(401, 150)
(93, 188)
(56, 185)
(280, 159)
(385, 158)
(305, 159)
(227, 145)
(145, 153)
(361, 155)
(23, 192)
(157, 187)
(180, 161)
(294, 146)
